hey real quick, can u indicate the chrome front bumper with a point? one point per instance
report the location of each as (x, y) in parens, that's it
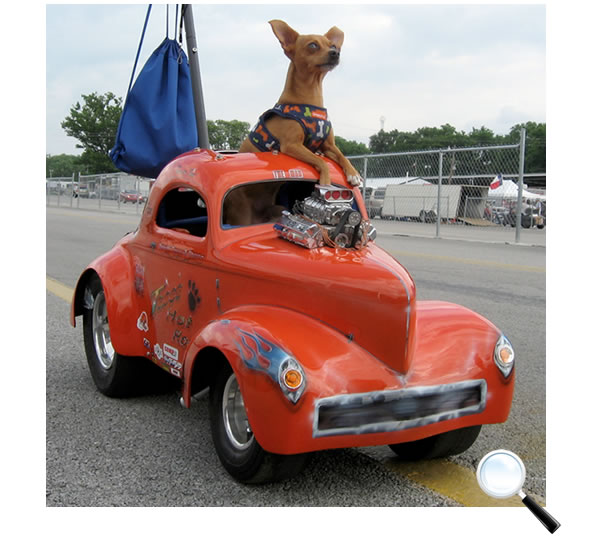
(395, 410)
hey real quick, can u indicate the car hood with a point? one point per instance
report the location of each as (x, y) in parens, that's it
(365, 295)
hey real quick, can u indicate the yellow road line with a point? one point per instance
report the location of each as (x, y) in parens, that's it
(488, 263)
(58, 289)
(449, 479)
(442, 476)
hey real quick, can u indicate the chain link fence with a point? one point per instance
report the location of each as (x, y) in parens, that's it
(104, 191)
(475, 186)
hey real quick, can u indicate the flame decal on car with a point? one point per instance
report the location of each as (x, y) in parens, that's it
(260, 354)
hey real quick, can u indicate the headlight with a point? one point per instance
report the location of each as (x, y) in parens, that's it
(259, 354)
(504, 356)
(291, 379)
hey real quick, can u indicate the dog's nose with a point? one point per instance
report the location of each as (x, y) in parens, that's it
(334, 54)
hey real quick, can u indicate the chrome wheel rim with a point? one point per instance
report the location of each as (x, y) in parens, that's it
(235, 418)
(101, 333)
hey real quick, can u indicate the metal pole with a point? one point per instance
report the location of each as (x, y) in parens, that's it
(520, 193)
(192, 47)
(439, 197)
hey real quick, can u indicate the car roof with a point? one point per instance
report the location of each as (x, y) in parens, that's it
(213, 173)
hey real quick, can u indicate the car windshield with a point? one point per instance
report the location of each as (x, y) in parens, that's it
(262, 201)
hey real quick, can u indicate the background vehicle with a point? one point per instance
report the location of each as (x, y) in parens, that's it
(418, 202)
(374, 201)
(81, 191)
(530, 217)
(130, 196)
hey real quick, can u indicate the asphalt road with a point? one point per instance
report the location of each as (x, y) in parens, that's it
(149, 451)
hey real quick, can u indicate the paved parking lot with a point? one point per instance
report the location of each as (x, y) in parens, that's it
(493, 234)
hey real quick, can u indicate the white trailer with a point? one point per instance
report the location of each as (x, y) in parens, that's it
(419, 202)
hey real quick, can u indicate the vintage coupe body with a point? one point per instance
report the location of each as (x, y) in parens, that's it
(308, 335)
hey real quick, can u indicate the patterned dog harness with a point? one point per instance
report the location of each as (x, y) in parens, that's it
(312, 118)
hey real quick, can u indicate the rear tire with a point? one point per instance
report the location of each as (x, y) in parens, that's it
(114, 375)
(235, 443)
(439, 446)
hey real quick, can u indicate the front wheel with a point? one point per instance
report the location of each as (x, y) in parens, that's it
(450, 443)
(234, 441)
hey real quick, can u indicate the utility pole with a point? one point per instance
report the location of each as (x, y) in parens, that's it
(192, 47)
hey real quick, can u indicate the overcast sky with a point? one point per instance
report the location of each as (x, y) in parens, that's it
(468, 65)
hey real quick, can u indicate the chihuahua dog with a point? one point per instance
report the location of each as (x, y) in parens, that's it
(297, 125)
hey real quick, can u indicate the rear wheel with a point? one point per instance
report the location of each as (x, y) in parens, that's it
(439, 446)
(234, 441)
(114, 375)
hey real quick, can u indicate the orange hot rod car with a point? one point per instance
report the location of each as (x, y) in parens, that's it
(307, 334)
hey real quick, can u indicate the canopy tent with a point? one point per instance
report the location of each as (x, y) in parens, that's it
(506, 188)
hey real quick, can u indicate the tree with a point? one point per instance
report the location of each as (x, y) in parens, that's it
(351, 147)
(535, 145)
(63, 165)
(482, 137)
(94, 124)
(226, 135)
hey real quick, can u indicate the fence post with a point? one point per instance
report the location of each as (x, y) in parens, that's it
(439, 196)
(364, 188)
(520, 193)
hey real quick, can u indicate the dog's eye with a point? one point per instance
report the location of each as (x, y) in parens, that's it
(313, 46)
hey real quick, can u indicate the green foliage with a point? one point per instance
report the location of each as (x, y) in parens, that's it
(429, 138)
(351, 147)
(446, 136)
(226, 135)
(535, 145)
(94, 124)
(63, 165)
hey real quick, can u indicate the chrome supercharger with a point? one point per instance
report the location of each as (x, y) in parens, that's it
(326, 218)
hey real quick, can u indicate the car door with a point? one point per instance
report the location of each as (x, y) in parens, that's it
(176, 283)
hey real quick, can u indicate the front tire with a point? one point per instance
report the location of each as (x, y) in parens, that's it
(114, 375)
(234, 441)
(446, 444)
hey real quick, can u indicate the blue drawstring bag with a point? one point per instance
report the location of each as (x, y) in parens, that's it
(158, 121)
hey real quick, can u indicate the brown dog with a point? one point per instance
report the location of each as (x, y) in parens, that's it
(298, 124)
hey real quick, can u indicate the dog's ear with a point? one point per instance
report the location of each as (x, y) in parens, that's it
(286, 35)
(336, 36)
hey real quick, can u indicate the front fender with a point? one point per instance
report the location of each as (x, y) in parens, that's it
(114, 269)
(454, 347)
(454, 343)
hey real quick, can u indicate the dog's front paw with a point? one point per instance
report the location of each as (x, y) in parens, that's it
(354, 179)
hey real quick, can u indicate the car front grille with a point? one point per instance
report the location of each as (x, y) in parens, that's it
(395, 410)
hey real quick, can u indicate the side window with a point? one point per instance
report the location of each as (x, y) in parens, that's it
(183, 210)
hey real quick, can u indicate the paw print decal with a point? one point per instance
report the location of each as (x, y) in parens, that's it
(194, 297)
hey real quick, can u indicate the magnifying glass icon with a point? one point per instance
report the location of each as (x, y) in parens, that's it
(501, 474)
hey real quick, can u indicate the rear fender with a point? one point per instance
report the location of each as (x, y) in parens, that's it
(114, 270)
